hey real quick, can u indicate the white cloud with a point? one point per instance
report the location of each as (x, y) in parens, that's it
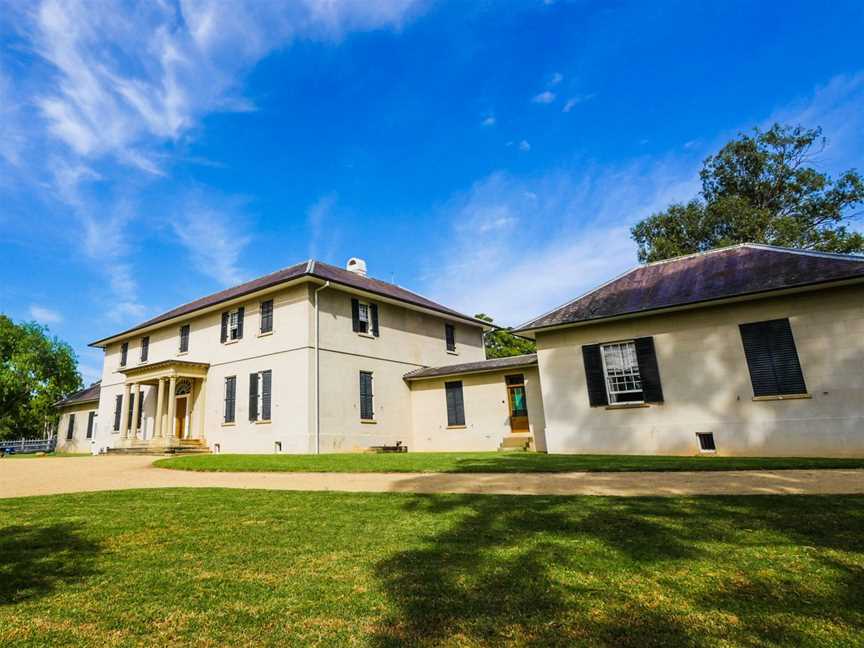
(545, 97)
(572, 102)
(519, 247)
(213, 237)
(488, 121)
(45, 315)
(320, 232)
(524, 145)
(556, 79)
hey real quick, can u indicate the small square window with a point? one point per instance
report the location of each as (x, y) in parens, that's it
(706, 442)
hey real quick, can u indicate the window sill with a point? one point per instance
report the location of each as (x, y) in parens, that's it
(234, 341)
(368, 421)
(449, 352)
(782, 397)
(366, 335)
(264, 334)
(457, 427)
(263, 422)
(620, 406)
(228, 424)
(182, 353)
(141, 363)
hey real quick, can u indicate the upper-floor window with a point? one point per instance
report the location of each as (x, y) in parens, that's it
(232, 325)
(230, 398)
(260, 391)
(184, 338)
(364, 317)
(124, 353)
(145, 348)
(772, 358)
(266, 316)
(450, 336)
(367, 410)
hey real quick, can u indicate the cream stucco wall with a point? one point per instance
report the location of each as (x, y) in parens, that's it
(79, 442)
(487, 412)
(407, 340)
(707, 386)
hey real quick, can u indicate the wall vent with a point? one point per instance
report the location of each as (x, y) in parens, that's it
(277, 447)
(216, 448)
(706, 442)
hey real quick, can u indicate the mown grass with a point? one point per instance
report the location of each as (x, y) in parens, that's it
(227, 567)
(489, 462)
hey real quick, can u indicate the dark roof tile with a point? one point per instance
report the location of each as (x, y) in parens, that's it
(86, 395)
(481, 366)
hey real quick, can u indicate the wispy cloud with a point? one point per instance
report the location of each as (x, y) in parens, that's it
(45, 315)
(324, 236)
(556, 79)
(545, 97)
(572, 102)
(524, 145)
(488, 121)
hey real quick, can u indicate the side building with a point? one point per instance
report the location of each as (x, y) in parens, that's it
(78, 422)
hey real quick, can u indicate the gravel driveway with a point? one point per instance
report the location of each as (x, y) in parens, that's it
(47, 476)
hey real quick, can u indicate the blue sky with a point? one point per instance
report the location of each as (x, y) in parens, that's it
(491, 155)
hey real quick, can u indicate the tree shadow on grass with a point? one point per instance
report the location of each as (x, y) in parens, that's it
(35, 560)
(602, 571)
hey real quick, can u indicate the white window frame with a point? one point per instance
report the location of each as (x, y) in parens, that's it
(613, 393)
(365, 324)
(233, 325)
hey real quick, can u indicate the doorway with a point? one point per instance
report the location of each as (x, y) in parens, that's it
(181, 416)
(518, 403)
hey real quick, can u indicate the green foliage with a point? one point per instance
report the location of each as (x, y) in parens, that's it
(35, 371)
(760, 189)
(501, 343)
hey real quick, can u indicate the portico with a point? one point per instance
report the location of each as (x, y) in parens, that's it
(172, 411)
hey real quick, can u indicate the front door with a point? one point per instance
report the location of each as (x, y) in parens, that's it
(518, 403)
(180, 417)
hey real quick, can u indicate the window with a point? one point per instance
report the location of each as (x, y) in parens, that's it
(706, 442)
(124, 353)
(623, 381)
(364, 317)
(455, 403)
(91, 420)
(367, 411)
(772, 358)
(145, 348)
(132, 410)
(70, 430)
(622, 372)
(232, 325)
(450, 336)
(184, 338)
(260, 390)
(267, 316)
(230, 398)
(118, 411)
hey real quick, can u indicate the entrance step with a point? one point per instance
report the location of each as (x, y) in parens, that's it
(516, 443)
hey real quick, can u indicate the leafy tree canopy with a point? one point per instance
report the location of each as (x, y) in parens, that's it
(501, 343)
(760, 188)
(35, 371)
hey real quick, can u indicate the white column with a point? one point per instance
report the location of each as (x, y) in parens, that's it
(172, 402)
(136, 404)
(160, 404)
(124, 412)
(201, 407)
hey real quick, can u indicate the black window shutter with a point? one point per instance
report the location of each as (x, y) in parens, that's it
(145, 348)
(90, 418)
(266, 390)
(223, 336)
(124, 352)
(772, 358)
(450, 336)
(240, 323)
(373, 315)
(594, 377)
(140, 409)
(70, 431)
(367, 411)
(230, 398)
(455, 403)
(253, 397)
(355, 315)
(118, 410)
(184, 338)
(266, 316)
(648, 370)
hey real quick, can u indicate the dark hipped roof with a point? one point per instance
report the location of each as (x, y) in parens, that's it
(311, 269)
(86, 395)
(481, 366)
(736, 271)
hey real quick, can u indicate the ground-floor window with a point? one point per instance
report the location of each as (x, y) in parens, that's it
(455, 403)
(621, 368)
(91, 423)
(367, 411)
(230, 398)
(260, 390)
(70, 428)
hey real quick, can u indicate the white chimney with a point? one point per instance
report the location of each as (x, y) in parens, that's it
(357, 266)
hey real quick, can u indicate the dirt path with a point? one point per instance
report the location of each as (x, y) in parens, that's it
(21, 477)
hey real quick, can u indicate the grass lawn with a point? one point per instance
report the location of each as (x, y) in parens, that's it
(227, 567)
(486, 462)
